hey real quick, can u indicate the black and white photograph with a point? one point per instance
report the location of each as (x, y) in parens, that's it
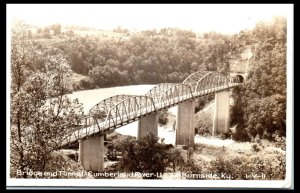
(150, 95)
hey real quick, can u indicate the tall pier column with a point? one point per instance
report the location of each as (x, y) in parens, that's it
(91, 153)
(221, 114)
(185, 126)
(147, 125)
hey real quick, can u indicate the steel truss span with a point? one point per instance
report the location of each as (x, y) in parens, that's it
(120, 110)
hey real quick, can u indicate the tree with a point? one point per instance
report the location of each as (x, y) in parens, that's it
(175, 157)
(29, 34)
(163, 117)
(41, 114)
(56, 29)
(39, 30)
(19, 71)
(46, 117)
(70, 34)
(145, 156)
(46, 32)
(119, 29)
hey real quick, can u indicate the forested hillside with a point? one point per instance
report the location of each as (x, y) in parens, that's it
(260, 110)
(166, 55)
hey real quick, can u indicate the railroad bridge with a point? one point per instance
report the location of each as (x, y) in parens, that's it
(120, 110)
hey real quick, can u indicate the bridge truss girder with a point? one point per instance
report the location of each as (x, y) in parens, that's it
(157, 90)
(129, 110)
(175, 94)
(193, 78)
(212, 80)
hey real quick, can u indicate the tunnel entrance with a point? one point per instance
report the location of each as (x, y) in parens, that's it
(240, 78)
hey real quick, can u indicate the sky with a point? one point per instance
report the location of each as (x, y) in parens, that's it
(223, 18)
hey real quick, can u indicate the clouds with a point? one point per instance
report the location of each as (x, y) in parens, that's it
(198, 17)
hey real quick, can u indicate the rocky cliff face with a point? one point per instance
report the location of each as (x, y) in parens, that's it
(241, 64)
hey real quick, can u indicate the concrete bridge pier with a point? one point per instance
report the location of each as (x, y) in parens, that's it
(185, 126)
(147, 125)
(91, 153)
(221, 114)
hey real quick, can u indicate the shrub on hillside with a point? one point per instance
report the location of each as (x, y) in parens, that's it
(57, 162)
(280, 142)
(145, 155)
(190, 167)
(241, 134)
(83, 84)
(255, 148)
(251, 168)
(203, 131)
(175, 158)
(163, 117)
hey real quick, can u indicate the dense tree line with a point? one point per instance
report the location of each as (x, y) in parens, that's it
(147, 57)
